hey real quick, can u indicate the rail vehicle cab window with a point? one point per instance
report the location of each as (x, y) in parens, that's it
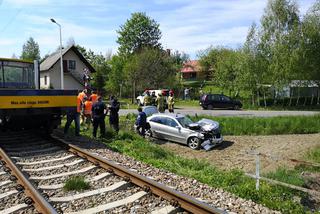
(16, 74)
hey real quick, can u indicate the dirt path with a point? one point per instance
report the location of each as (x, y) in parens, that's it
(233, 153)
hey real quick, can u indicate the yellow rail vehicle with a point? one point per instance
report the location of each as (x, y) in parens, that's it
(23, 105)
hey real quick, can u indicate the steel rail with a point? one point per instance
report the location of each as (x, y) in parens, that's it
(176, 198)
(39, 201)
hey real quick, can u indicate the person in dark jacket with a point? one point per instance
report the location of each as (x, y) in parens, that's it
(98, 116)
(114, 115)
(141, 122)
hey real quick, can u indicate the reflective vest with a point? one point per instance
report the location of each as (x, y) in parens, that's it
(87, 107)
(94, 98)
(170, 102)
(147, 100)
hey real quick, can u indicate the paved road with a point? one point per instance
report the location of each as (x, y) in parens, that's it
(232, 113)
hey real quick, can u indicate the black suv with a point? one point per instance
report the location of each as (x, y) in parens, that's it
(210, 101)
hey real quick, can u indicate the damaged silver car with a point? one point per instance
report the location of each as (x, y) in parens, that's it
(179, 128)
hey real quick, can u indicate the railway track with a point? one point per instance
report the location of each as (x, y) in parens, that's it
(39, 168)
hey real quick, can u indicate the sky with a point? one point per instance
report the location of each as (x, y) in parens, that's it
(188, 26)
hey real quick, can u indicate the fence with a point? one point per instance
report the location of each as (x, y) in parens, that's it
(257, 176)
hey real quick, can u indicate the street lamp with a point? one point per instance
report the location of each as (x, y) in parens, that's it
(61, 60)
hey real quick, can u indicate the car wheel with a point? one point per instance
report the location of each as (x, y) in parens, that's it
(236, 107)
(148, 133)
(194, 143)
(210, 107)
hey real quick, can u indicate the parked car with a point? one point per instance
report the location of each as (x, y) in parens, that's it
(181, 129)
(211, 101)
(140, 98)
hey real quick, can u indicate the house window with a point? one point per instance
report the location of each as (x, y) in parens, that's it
(45, 80)
(72, 65)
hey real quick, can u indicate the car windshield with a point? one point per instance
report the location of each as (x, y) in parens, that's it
(184, 121)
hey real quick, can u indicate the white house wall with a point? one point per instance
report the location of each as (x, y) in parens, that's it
(42, 82)
(54, 73)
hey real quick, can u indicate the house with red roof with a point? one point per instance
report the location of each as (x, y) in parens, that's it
(191, 70)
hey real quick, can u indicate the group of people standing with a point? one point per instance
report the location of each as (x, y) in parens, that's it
(149, 100)
(159, 101)
(92, 109)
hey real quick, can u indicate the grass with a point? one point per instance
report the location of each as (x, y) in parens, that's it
(186, 103)
(266, 125)
(234, 181)
(77, 183)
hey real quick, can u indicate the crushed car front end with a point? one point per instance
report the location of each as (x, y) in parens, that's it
(211, 132)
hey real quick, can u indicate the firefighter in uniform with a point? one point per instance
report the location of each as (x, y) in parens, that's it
(171, 102)
(147, 99)
(153, 98)
(160, 103)
(98, 115)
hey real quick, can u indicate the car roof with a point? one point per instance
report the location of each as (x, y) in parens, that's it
(171, 115)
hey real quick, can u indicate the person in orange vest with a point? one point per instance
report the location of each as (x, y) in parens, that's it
(87, 112)
(74, 115)
(94, 96)
(81, 96)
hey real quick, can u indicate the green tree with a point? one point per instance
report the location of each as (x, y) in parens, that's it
(227, 70)
(138, 32)
(102, 67)
(253, 75)
(279, 41)
(117, 80)
(310, 46)
(150, 68)
(30, 50)
(100, 64)
(208, 59)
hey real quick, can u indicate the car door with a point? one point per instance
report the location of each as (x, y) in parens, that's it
(225, 102)
(215, 100)
(157, 127)
(173, 130)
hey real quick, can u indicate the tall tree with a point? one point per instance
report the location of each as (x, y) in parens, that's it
(253, 72)
(310, 46)
(138, 32)
(150, 68)
(30, 50)
(117, 81)
(279, 39)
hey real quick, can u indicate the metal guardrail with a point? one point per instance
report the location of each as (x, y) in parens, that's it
(176, 198)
